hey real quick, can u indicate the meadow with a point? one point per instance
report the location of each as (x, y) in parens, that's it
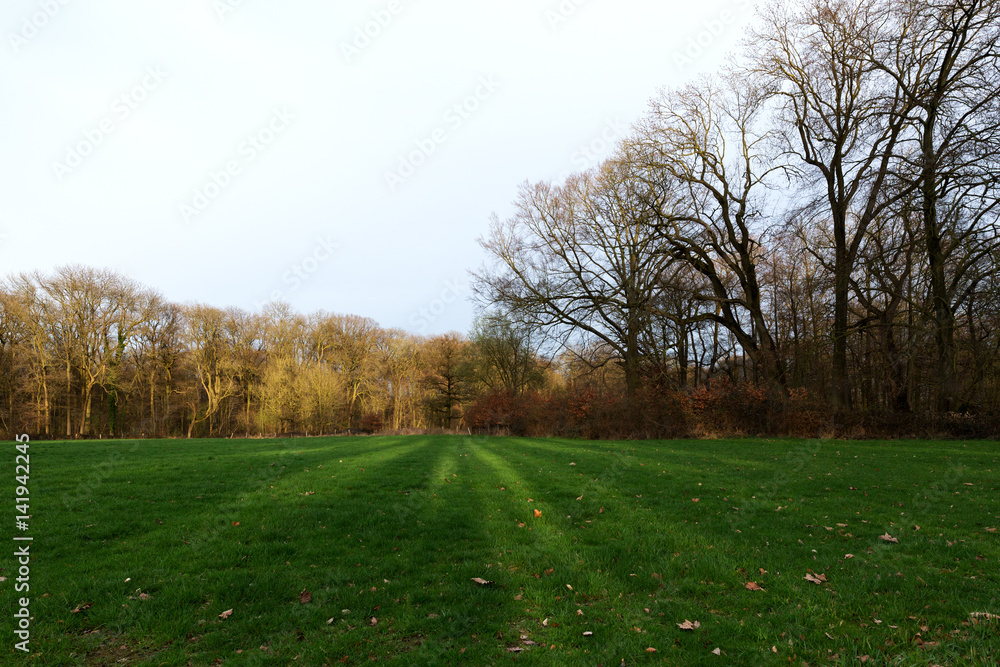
(456, 550)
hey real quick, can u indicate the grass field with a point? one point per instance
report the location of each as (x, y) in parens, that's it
(348, 550)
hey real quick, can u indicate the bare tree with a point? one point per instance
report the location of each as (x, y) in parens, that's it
(842, 120)
(577, 260)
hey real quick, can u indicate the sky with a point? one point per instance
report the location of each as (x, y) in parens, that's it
(338, 156)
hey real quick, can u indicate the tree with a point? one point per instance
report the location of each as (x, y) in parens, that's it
(704, 159)
(578, 260)
(447, 376)
(211, 359)
(842, 120)
(943, 56)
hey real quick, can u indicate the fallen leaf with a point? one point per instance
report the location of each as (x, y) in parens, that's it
(752, 586)
(717, 651)
(538, 513)
(482, 582)
(848, 555)
(545, 622)
(815, 578)
(305, 597)
(864, 658)
(143, 596)
(650, 650)
(579, 612)
(694, 500)
(550, 570)
(569, 587)
(689, 625)
(373, 621)
(977, 615)
(588, 633)
(236, 523)
(226, 614)
(580, 498)
(888, 538)
(83, 607)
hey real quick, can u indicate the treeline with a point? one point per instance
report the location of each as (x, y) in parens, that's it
(90, 353)
(821, 215)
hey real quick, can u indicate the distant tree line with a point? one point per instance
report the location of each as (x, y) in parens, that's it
(90, 353)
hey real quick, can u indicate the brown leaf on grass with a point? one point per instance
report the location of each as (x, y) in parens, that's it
(588, 633)
(752, 586)
(980, 615)
(83, 607)
(373, 621)
(482, 582)
(815, 578)
(538, 513)
(689, 625)
(717, 651)
(694, 500)
(865, 658)
(848, 555)
(580, 498)
(650, 650)
(236, 523)
(520, 525)
(226, 614)
(305, 597)
(888, 538)
(550, 570)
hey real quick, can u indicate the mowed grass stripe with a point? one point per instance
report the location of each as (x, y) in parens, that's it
(397, 527)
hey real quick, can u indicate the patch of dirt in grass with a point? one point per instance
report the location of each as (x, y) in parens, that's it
(116, 650)
(411, 643)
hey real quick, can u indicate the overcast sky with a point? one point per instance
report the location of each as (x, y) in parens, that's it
(342, 156)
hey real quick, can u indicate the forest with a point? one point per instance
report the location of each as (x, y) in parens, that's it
(803, 243)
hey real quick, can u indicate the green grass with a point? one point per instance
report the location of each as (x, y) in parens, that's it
(394, 529)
